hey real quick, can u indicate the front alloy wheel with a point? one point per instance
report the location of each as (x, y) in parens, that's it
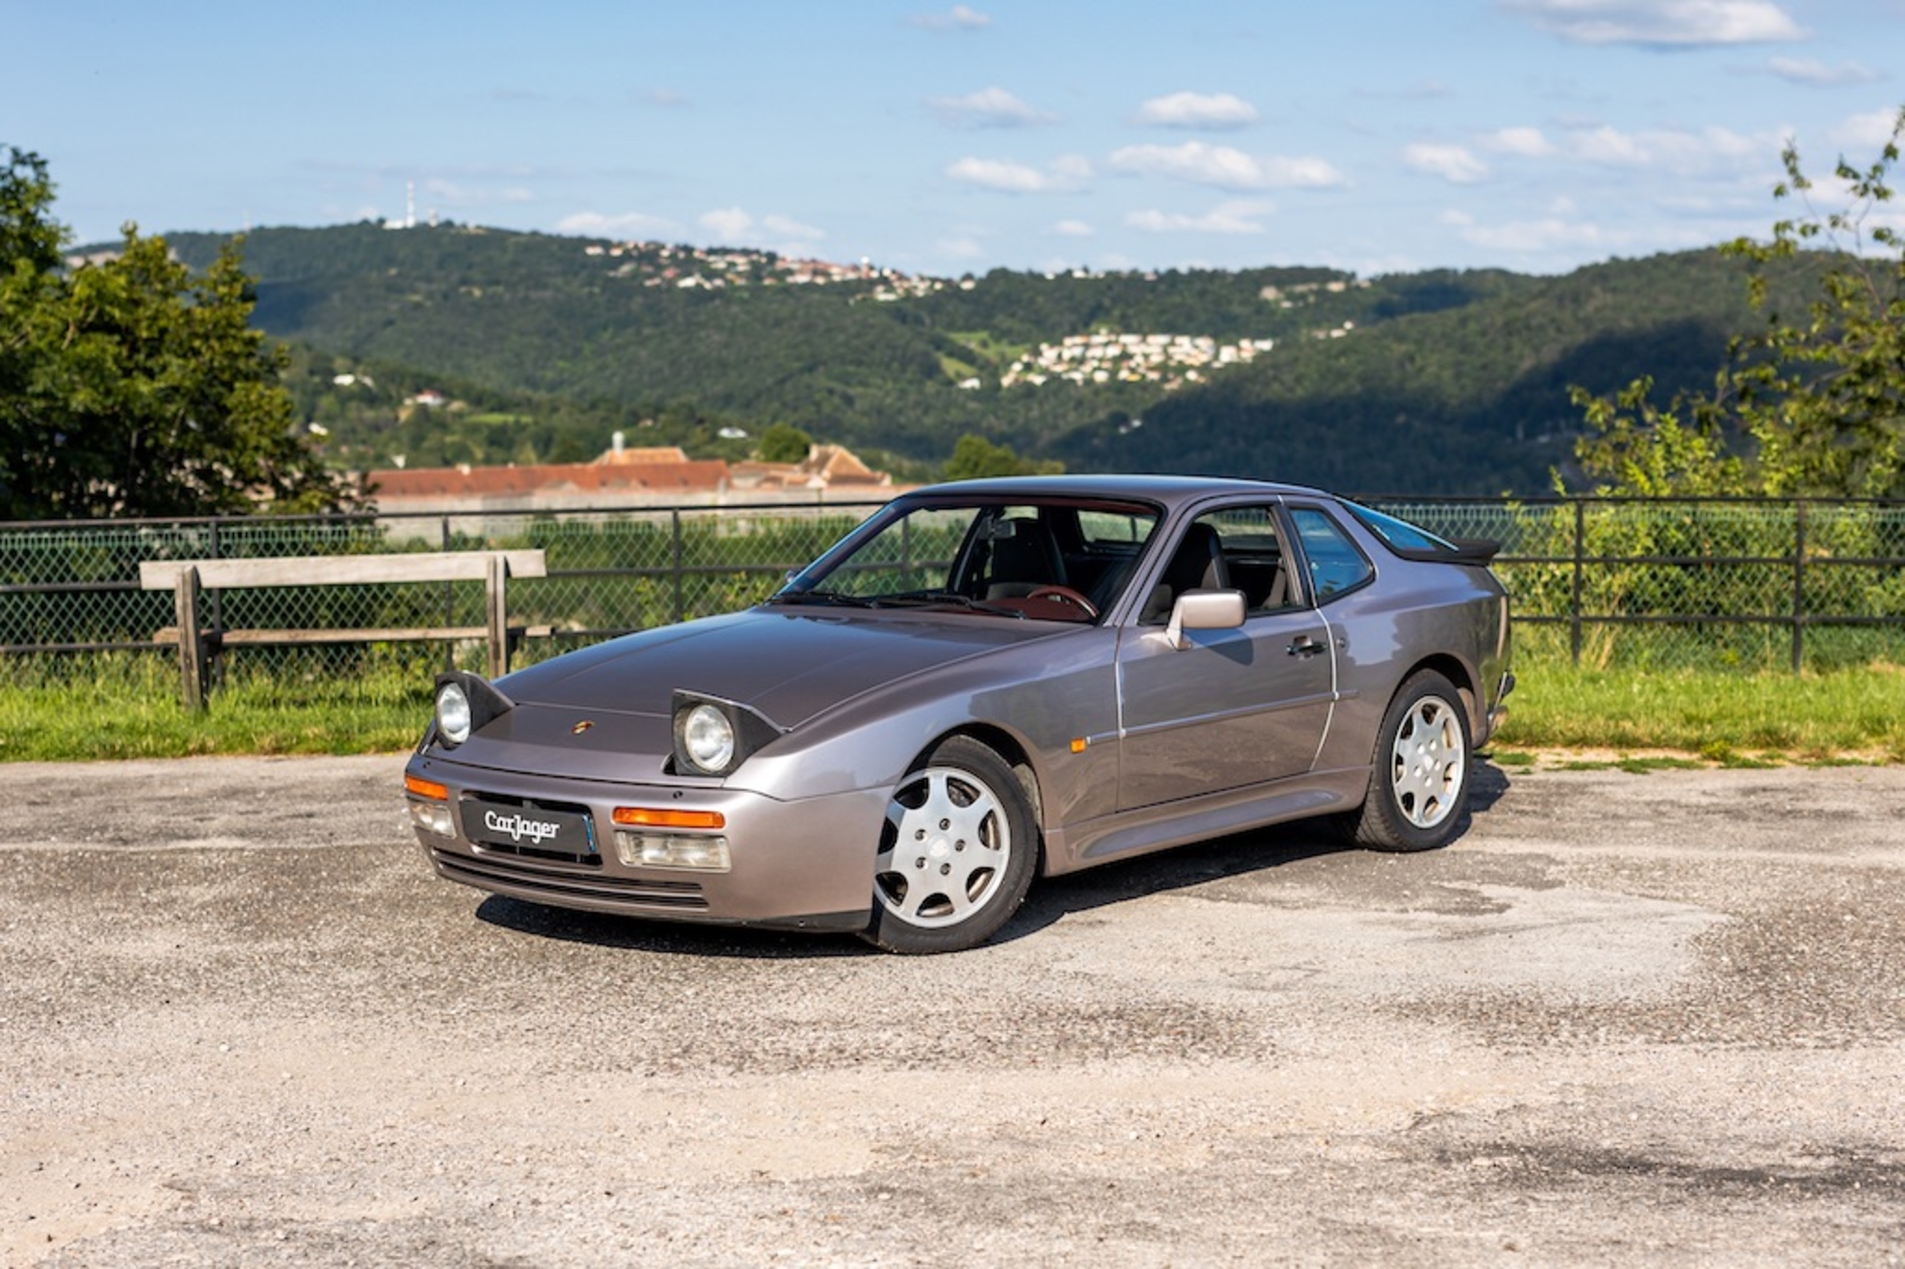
(1418, 787)
(956, 855)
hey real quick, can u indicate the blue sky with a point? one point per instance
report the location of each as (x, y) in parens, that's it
(1373, 135)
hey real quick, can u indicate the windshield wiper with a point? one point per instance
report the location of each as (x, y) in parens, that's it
(932, 598)
(820, 597)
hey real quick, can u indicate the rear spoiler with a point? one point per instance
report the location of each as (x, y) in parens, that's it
(1476, 551)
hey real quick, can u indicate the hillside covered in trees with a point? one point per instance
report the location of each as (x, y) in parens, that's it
(458, 344)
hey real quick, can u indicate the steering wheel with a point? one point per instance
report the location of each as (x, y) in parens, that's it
(1065, 594)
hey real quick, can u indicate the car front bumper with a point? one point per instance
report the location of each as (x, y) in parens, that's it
(801, 864)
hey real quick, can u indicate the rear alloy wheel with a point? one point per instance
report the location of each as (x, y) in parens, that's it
(957, 853)
(1418, 784)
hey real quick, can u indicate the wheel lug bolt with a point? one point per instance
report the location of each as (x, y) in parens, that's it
(944, 869)
(960, 844)
(921, 863)
(944, 825)
(919, 834)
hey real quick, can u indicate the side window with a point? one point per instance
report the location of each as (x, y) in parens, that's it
(1336, 565)
(1253, 556)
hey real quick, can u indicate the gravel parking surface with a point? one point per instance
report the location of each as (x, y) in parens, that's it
(1652, 1019)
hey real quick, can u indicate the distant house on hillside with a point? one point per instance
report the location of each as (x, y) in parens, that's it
(619, 454)
(828, 468)
(481, 499)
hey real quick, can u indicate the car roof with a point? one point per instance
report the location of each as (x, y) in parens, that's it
(1170, 490)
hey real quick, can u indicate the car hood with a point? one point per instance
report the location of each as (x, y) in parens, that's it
(786, 665)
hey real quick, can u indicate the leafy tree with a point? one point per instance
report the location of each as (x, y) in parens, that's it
(130, 387)
(30, 245)
(974, 457)
(784, 443)
(1814, 407)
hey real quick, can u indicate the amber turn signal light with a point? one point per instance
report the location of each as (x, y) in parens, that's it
(654, 817)
(426, 788)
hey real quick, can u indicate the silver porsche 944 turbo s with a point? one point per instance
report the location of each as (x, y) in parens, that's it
(983, 683)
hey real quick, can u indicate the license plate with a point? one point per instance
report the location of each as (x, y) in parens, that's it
(528, 827)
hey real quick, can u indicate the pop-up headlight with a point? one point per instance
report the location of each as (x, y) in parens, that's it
(713, 737)
(465, 704)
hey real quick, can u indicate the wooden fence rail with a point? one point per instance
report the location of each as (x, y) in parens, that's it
(187, 579)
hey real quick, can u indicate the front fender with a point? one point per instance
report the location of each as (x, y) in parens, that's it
(1057, 700)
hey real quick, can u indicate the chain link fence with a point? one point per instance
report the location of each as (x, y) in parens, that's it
(1700, 583)
(1602, 582)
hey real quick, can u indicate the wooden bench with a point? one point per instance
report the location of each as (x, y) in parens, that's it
(188, 578)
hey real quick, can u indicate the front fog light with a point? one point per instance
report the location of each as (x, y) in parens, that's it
(671, 850)
(433, 817)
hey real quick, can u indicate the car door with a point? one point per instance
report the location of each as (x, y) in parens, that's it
(1230, 708)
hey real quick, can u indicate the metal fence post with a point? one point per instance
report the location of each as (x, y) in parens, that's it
(1574, 602)
(1799, 585)
(496, 613)
(449, 602)
(215, 667)
(674, 521)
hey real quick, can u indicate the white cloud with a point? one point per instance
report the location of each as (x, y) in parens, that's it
(1867, 131)
(728, 224)
(1197, 110)
(1300, 173)
(623, 225)
(960, 18)
(1453, 163)
(964, 247)
(1224, 167)
(1609, 145)
(1673, 147)
(1806, 70)
(1550, 233)
(441, 192)
(1064, 175)
(451, 193)
(1073, 229)
(787, 227)
(734, 226)
(988, 108)
(1235, 216)
(1661, 23)
(1562, 235)
(1529, 143)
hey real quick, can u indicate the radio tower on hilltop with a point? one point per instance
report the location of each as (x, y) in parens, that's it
(409, 204)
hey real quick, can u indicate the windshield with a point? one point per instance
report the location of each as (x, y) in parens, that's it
(1035, 559)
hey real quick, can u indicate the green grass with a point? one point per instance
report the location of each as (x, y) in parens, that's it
(126, 706)
(1726, 718)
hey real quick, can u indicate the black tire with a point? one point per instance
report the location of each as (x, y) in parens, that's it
(957, 853)
(1419, 774)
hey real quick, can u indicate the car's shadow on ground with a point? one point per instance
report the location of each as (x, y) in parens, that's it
(1052, 900)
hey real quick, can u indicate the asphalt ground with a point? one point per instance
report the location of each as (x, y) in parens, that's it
(1640, 1019)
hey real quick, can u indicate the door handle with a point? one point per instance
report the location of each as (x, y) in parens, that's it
(1305, 647)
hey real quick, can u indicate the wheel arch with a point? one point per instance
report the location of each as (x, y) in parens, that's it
(1012, 752)
(1451, 668)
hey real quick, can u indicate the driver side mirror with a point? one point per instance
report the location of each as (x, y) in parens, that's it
(1204, 610)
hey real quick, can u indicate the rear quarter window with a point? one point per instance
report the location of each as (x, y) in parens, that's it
(1337, 566)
